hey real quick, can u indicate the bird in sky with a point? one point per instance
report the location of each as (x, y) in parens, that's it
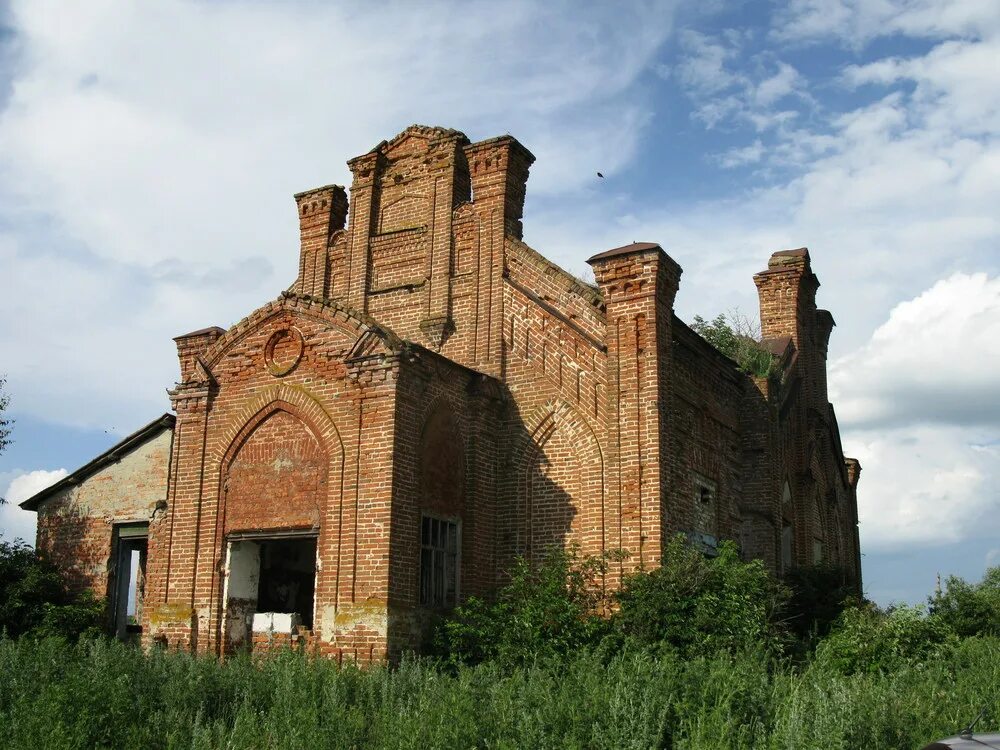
(600, 175)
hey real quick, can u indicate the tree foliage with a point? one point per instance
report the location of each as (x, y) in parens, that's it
(700, 605)
(34, 598)
(738, 338)
(970, 608)
(547, 609)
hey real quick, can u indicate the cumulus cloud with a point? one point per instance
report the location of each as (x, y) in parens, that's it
(925, 484)
(935, 360)
(148, 154)
(917, 405)
(14, 522)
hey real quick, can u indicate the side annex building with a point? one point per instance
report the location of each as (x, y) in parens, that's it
(431, 398)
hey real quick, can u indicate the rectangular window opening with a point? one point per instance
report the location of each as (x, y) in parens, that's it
(439, 562)
(705, 515)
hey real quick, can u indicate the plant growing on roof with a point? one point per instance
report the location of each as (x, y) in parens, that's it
(738, 337)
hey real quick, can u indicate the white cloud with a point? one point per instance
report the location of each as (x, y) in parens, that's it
(935, 360)
(924, 485)
(855, 22)
(16, 523)
(725, 87)
(917, 405)
(148, 155)
(738, 157)
(784, 82)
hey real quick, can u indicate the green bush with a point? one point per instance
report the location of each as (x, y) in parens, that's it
(34, 599)
(970, 608)
(700, 605)
(548, 609)
(867, 639)
(737, 338)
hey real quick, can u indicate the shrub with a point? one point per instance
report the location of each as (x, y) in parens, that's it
(34, 599)
(819, 594)
(738, 338)
(970, 608)
(547, 609)
(701, 605)
(867, 639)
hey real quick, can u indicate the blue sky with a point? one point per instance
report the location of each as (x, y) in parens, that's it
(148, 155)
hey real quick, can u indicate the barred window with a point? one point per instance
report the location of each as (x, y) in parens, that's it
(439, 544)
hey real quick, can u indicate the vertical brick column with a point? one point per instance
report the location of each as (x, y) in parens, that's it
(364, 202)
(361, 626)
(787, 292)
(169, 614)
(322, 212)
(498, 169)
(639, 283)
(449, 184)
(854, 568)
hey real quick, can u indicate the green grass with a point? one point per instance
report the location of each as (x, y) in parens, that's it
(104, 694)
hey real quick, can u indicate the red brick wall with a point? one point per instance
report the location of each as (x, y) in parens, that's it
(276, 478)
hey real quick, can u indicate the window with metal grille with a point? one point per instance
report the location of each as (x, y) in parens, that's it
(439, 545)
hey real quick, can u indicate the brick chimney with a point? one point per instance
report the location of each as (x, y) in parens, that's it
(322, 211)
(499, 171)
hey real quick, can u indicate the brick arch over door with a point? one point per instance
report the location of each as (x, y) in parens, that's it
(276, 477)
(299, 403)
(559, 483)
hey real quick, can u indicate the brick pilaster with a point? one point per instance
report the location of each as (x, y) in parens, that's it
(498, 170)
(639, 283)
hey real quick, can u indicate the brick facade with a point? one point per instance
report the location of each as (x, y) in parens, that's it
(426, 363)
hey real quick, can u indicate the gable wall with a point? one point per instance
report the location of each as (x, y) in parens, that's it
(75, 526)
(325, 422)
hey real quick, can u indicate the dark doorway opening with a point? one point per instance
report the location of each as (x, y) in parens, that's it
(288, 577)
(128, 580)
(268, 574)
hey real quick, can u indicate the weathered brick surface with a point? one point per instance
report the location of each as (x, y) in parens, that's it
(427, 361)
(76, 523)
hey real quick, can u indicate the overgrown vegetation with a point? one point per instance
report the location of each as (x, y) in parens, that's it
(700, 653)
(736, 336)
(103, 694)
(34, 598)
(546, 610)
(697, 606)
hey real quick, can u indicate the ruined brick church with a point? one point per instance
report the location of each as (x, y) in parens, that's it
(429, 399)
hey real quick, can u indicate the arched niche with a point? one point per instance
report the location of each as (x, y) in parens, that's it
(559, 482)
(276, 477)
